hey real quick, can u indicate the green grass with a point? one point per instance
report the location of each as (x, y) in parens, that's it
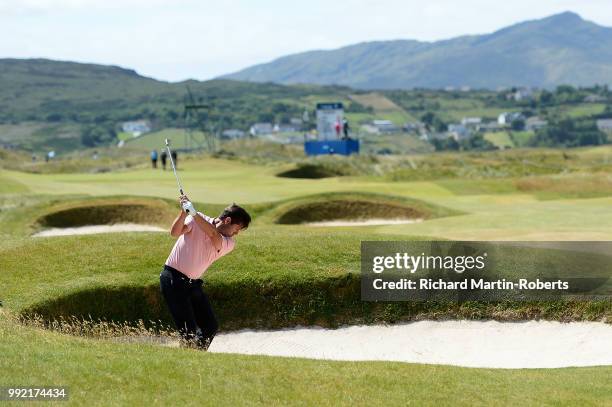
(10, 186)
(263, 283)
(122, 135)
(501, 139)
(521, 138)
(105, 373)
(156, 140)
(582, 110)
(42, 137)
(282, 275)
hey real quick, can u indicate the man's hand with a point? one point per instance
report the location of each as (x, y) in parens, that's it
(187, 205)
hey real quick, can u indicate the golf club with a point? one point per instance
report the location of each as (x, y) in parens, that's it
(173, 167)
(188, 206)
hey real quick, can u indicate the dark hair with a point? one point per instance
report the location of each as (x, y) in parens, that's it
(237, 214)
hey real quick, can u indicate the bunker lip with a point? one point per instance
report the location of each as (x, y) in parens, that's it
(95, 229)
(89, 216)
(364, 222)
(340, 209)
(479, 344)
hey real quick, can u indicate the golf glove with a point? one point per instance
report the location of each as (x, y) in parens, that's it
(188, 207)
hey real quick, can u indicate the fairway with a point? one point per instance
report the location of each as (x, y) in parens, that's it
(282, 275)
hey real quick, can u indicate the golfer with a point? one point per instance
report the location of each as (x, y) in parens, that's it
(201, 241)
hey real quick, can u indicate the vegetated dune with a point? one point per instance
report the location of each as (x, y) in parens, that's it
(353, 206)
(109, 211)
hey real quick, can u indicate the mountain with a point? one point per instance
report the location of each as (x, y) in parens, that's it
(49, 105)
(560, 49)
(47, 90)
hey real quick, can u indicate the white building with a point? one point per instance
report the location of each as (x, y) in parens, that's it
(522, 94)
(489, 126)
(259, 129)
(507, 118)
(136, 127)
(604, 124)
(458, 131)
(535, 123)
(285, 128)
(471, 121)
(592, 98)
(414, 127)
(232, 134)
(385, 126)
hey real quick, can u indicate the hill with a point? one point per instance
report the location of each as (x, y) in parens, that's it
(560, 49)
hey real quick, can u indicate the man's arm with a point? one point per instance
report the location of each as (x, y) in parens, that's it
(178, 226)
(207, 228)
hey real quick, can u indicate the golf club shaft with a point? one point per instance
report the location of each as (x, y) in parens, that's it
(174, 168)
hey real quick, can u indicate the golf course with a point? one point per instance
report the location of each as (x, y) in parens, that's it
(65, 299)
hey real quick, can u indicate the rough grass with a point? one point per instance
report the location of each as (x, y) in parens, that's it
(282, 276)
(99, 160)
(567, 186)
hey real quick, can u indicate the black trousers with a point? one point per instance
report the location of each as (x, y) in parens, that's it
(189, 306)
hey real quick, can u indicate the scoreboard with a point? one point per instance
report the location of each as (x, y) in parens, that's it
(328, 115)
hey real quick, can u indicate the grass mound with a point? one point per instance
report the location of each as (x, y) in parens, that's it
(355, 206)
(312, 278)
(347, 210)
(107, 212)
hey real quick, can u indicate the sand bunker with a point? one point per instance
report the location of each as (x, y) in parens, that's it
(94, 229)
(533, 344)
(364, 222)
(489, 344)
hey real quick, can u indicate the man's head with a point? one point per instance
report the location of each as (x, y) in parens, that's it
(233, 219)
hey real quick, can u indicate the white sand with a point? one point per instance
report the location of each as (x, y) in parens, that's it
(364, 222)
(533, 344)
(90, 230)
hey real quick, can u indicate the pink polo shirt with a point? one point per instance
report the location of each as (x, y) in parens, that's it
(194, 251)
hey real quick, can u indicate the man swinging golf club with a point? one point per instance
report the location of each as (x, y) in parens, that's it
(201, 241)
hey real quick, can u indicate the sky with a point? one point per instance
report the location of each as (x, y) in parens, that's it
(174, 40)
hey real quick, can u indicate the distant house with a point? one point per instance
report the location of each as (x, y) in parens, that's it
(260, 129)
(471, 121)
(136, 127)
(296, 121)
(535, 123)
(414, 127)
(370, 129)
(592, 98)
(604, 125)
(507, 118)
(385, 126)
(285, 128)
(232, 134)
(489, 127)
(522, 94)
(458, 131)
